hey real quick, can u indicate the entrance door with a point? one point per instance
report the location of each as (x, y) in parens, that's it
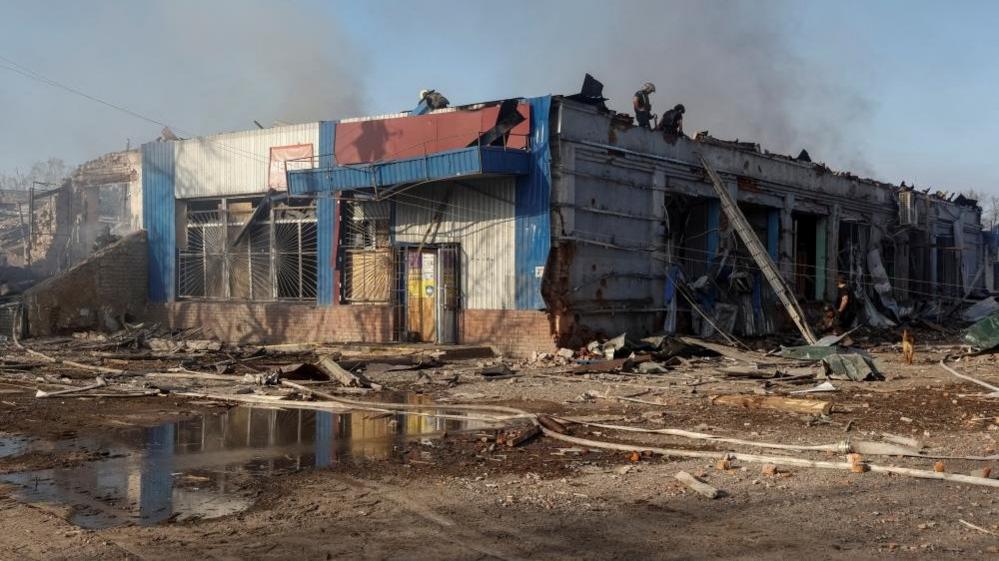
(421, 294)
(432, 294)
(450, 294)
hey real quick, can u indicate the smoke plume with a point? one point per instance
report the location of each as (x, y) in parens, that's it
(730, 63)
(201, 67)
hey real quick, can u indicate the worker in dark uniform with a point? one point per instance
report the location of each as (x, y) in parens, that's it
(846, 305)
(672, 122)
(433, 99)
(643, 105)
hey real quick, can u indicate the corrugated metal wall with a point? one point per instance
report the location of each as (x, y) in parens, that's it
(326, 213)
(234, 163)
(479, 215)
(533, 211)
(158, 212)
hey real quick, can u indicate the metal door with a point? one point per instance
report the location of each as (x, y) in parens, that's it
(421, 294)
(449, 294)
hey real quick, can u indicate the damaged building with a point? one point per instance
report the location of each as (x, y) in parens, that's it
(51, 227)
(525, 224)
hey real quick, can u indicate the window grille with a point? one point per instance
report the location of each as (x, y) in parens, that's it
(225, 256)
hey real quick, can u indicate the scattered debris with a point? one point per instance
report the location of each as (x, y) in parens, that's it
(792, 405)
(978, 528)
(697, 485)
(995, 389)
(523, 436)
(850, 366)
(99, 382)
(984, 334)
(823, 387)
(328, 365)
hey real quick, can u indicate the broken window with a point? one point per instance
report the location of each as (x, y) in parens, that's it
(235, 249)
(113, 208)
(367, 264)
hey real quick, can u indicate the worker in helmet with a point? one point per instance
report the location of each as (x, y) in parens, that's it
(643, 105)
(672, 123)
(433, 99)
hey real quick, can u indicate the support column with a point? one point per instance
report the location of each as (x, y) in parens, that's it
(821, 246)
(786, 261)
(773, 233)
(713, 233)
(327, 233)
(832, 252)
(901, 272)
(327, 225)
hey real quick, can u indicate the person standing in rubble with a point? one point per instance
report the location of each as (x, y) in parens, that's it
(672, 122)
(643, 105)
(846, 306)
(433, 99)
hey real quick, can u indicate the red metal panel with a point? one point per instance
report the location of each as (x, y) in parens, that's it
(407, 137)
(284, 158)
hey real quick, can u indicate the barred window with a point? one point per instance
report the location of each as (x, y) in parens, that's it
(368, 260)
(248, 249)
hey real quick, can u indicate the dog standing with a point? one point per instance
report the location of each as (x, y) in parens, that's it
(908, 346)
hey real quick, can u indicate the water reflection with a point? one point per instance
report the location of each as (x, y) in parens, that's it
(201, 467)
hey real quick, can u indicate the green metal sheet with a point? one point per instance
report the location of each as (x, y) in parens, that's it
(850, 366)
(810, 352)
(984, 334)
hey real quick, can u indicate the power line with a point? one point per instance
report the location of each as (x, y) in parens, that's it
(31, 74)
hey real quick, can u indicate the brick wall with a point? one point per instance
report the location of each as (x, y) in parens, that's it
(278, 322)
(512, 332)
(94, 294)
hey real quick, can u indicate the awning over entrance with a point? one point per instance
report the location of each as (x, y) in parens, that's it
(451, 164)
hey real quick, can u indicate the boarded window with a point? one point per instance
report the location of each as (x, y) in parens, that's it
(368, 262)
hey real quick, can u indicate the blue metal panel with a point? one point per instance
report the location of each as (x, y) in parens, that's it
(325, 213)
(714, 225)
(158, 215)
(532, 210)
(422, 108)
(773, 233)
(773, 248)
(463, 162)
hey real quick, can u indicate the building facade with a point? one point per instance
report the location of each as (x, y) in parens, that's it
(523, 224)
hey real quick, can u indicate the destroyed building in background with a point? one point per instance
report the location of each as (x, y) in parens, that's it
(524, 224)
(48, 228)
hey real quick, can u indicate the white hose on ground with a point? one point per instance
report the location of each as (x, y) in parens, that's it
(778, 460)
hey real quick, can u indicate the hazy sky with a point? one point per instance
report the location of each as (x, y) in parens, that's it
(895, 89)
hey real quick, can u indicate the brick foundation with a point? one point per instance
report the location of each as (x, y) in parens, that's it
(278, 322)
(96, 294)
(511, 332)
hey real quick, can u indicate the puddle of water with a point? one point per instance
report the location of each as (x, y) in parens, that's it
(201, 467)
(13, 445)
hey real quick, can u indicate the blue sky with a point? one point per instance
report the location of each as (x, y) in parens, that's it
(897, 90)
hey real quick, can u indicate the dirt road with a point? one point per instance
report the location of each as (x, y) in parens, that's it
(454, 494)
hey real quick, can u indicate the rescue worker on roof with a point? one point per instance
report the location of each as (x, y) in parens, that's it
(433, 99)
(672, 122)
(643, 105)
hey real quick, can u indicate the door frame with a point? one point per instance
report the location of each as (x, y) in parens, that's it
(444, 332)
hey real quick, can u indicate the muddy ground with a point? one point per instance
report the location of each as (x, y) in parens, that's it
(458, 494)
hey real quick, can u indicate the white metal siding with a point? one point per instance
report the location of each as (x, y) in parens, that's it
(479, 215)
(234, 163)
